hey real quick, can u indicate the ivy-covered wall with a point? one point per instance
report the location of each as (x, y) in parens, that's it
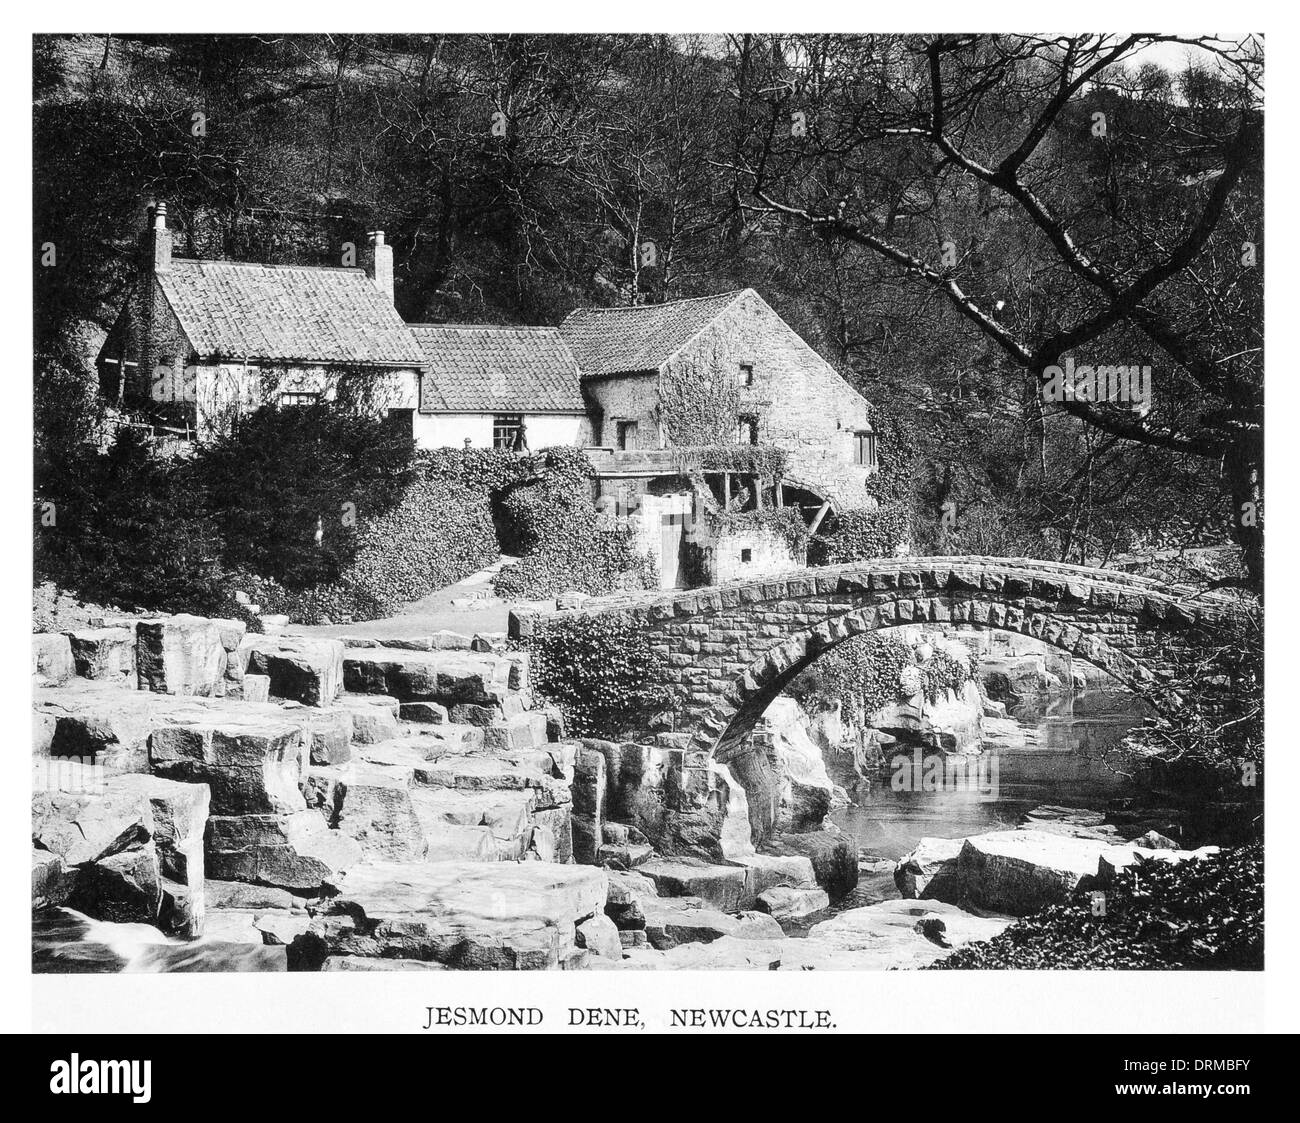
(801, 404)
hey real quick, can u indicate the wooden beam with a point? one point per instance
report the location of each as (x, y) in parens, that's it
(817, 519)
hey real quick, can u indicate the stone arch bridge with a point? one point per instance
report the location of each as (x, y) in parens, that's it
(731, 650)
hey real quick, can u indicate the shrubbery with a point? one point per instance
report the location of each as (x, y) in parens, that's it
(861, 533)
(315, 513)
(128, 528)
(565, 543)
(1205, 915)
(605, 677)
(863, 674)
(289, 488)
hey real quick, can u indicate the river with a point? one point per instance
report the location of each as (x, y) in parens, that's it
(1069, 759)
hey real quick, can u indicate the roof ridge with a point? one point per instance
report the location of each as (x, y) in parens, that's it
(265, 264)
(486, 327)
(664, 304)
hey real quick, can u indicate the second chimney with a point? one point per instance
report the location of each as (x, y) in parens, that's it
(379, 265)
(157, 249)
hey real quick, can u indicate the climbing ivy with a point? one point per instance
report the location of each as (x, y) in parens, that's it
(604, 675)
(863, 673)
(861, 533)
(753, 460)
(784, 522)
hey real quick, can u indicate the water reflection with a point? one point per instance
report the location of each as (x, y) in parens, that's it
(1066, 759)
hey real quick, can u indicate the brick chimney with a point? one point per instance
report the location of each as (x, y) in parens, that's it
(379, 263)
(156, 255)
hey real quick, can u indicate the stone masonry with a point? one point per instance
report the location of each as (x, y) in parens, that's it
(732, 649)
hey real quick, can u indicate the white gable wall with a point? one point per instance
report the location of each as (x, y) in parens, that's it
(543, 430)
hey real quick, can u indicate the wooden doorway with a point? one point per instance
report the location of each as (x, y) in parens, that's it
(672, 530)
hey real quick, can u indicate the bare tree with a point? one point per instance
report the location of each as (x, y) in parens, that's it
(1058, 204)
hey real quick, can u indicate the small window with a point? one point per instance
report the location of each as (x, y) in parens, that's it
(746, 556)
(625, 434)
(747, 431)
(299, 399)
(746, 376)
(507, 431)
(864, 448)
(403, 420)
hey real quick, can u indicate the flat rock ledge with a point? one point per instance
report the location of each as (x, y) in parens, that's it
(471, 915)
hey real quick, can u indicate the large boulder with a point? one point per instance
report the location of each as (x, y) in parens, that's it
(303, 670)
(724, 887)
(101, 723)
(374, 807)
(672, 921)
(253, 758)
(1016, 678)
(52, 657)
(123, 887)
(447, 677)
(784, 902)
(180, 815)
(374, 717)
(1022, 871)
(104, 653)
(180, 655)
(807, 793)
(133, 852)
(82, 828)
(475, 915)
(834, 858)
(897, 934)
(932, 870)
(296, 852)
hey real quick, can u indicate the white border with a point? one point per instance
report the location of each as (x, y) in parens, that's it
(889, 1002)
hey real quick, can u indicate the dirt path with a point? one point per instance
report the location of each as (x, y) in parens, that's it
(467, 606)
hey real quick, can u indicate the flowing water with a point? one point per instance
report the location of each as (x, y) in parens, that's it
(66, 941)
(1068, 759)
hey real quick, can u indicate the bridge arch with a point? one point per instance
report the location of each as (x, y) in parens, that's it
(729, 650)
(766, 678)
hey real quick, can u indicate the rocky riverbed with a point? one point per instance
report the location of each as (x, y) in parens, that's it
(209, 799)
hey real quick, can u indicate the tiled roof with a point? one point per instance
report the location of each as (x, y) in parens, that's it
(479, 368)
(237, 310)
(640, 338)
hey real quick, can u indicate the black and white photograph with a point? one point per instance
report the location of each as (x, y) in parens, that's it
(611, 502)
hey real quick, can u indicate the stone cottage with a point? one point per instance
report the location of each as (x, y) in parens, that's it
(199, 341)
(716, 432)
(684, 396)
